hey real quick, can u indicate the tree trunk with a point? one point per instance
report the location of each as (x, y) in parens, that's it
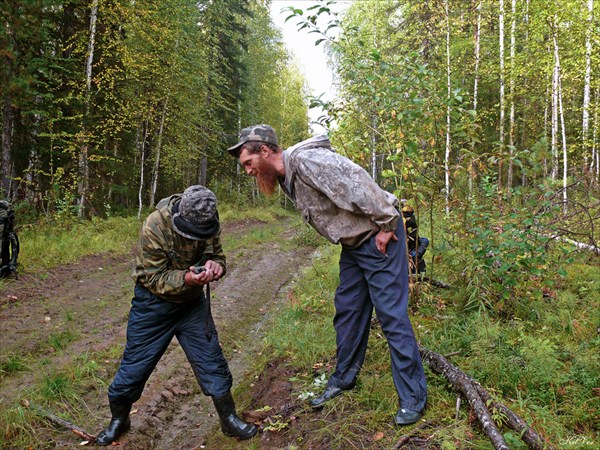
(511, 133)
(501, 126)
(448, 110)
(83, 163)
(142, 163)
(554, 171)
(585, 125)
(7, 129)
(475, 92)
(202, 172)
(158, 148)
(561, 113)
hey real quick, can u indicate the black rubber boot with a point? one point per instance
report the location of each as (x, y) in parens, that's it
(118, 425)
(231, 424)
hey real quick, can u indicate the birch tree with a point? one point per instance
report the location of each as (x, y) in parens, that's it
(586, 87)
(475, 92)
(559, 106)
(511, 133)
(83, 165)
(502, 87)
(448, 111)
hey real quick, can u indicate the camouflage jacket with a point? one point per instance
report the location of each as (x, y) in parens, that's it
(336, 196)
(165, 256)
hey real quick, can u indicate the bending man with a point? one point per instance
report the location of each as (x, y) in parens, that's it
(343, 203)
(180, 252)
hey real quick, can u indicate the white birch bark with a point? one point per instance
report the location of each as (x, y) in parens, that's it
(142, 163)
(586, 85)
(475, 92)
(84, 169)
(155, 171)
(561, 112)
(554, 125)
(511, 133)
(595, 164)
(502, 99)
(448, 110)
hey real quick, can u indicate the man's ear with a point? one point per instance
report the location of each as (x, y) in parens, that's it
(265, 151)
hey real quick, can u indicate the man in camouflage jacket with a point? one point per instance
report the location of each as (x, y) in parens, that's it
(180, 252)
(343, 203)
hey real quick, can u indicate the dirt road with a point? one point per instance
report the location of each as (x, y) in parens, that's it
(77, 314)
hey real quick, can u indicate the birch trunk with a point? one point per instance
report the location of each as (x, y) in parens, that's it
(374, 148)
(7, 130)
(142, 162)
(447, 156)
(525, 97)
(83, 163)
(475, 92)
(595, 165)
(511, 133)
(561, 113)
(502, 99)
(585, 125)
(554, 126)
(158, 148)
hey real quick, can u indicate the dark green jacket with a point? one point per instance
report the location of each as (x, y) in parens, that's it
(165, 256)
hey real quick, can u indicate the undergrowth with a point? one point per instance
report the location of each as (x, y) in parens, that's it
(533, 343)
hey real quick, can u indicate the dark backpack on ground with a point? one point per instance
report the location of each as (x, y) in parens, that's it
(9, 250)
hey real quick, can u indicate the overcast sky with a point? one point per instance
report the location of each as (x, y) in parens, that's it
(311, 59)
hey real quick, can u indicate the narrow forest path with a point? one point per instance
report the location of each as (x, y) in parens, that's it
(75, 313)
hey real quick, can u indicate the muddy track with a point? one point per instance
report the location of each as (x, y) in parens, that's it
(70, 312)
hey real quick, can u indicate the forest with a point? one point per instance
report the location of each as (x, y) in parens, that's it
(482, 115)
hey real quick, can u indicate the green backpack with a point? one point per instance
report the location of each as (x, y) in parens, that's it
(9, 250)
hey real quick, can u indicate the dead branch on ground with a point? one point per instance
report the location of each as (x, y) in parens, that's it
(480, 399)
(60, 422)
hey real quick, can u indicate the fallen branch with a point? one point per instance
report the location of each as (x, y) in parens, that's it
(479, 398)
(579, 245)
(514, 422)
(60, 422)
(408, 436)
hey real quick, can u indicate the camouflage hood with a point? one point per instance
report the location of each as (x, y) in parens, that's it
(321, 141)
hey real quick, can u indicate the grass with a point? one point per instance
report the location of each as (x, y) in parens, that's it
(50, 245)
(62, 384)
(545, 366)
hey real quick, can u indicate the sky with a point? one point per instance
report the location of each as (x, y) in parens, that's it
(312, 59)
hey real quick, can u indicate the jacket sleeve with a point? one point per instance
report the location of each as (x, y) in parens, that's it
(349, 187)
(160, 278)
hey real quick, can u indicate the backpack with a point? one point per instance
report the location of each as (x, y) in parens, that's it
(9, 249)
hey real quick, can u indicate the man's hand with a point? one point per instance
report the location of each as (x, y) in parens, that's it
(212, 271)
(383, 238)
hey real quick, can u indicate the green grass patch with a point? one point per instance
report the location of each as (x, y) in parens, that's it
(51, 244)
(12, 364)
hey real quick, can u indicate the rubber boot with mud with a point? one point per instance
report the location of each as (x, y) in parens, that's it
(231, 424)
(118, 425)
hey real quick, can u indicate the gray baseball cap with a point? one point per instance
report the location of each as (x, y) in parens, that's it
(258, 133)
(195, 216)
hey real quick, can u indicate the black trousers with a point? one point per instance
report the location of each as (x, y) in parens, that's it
(152, 325)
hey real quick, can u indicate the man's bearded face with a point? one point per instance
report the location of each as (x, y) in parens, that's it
(266, 176)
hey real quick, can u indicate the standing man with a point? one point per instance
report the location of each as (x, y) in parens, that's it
(343, 203)
(180, 252)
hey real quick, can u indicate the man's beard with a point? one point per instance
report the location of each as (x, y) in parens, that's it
(266, 177)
